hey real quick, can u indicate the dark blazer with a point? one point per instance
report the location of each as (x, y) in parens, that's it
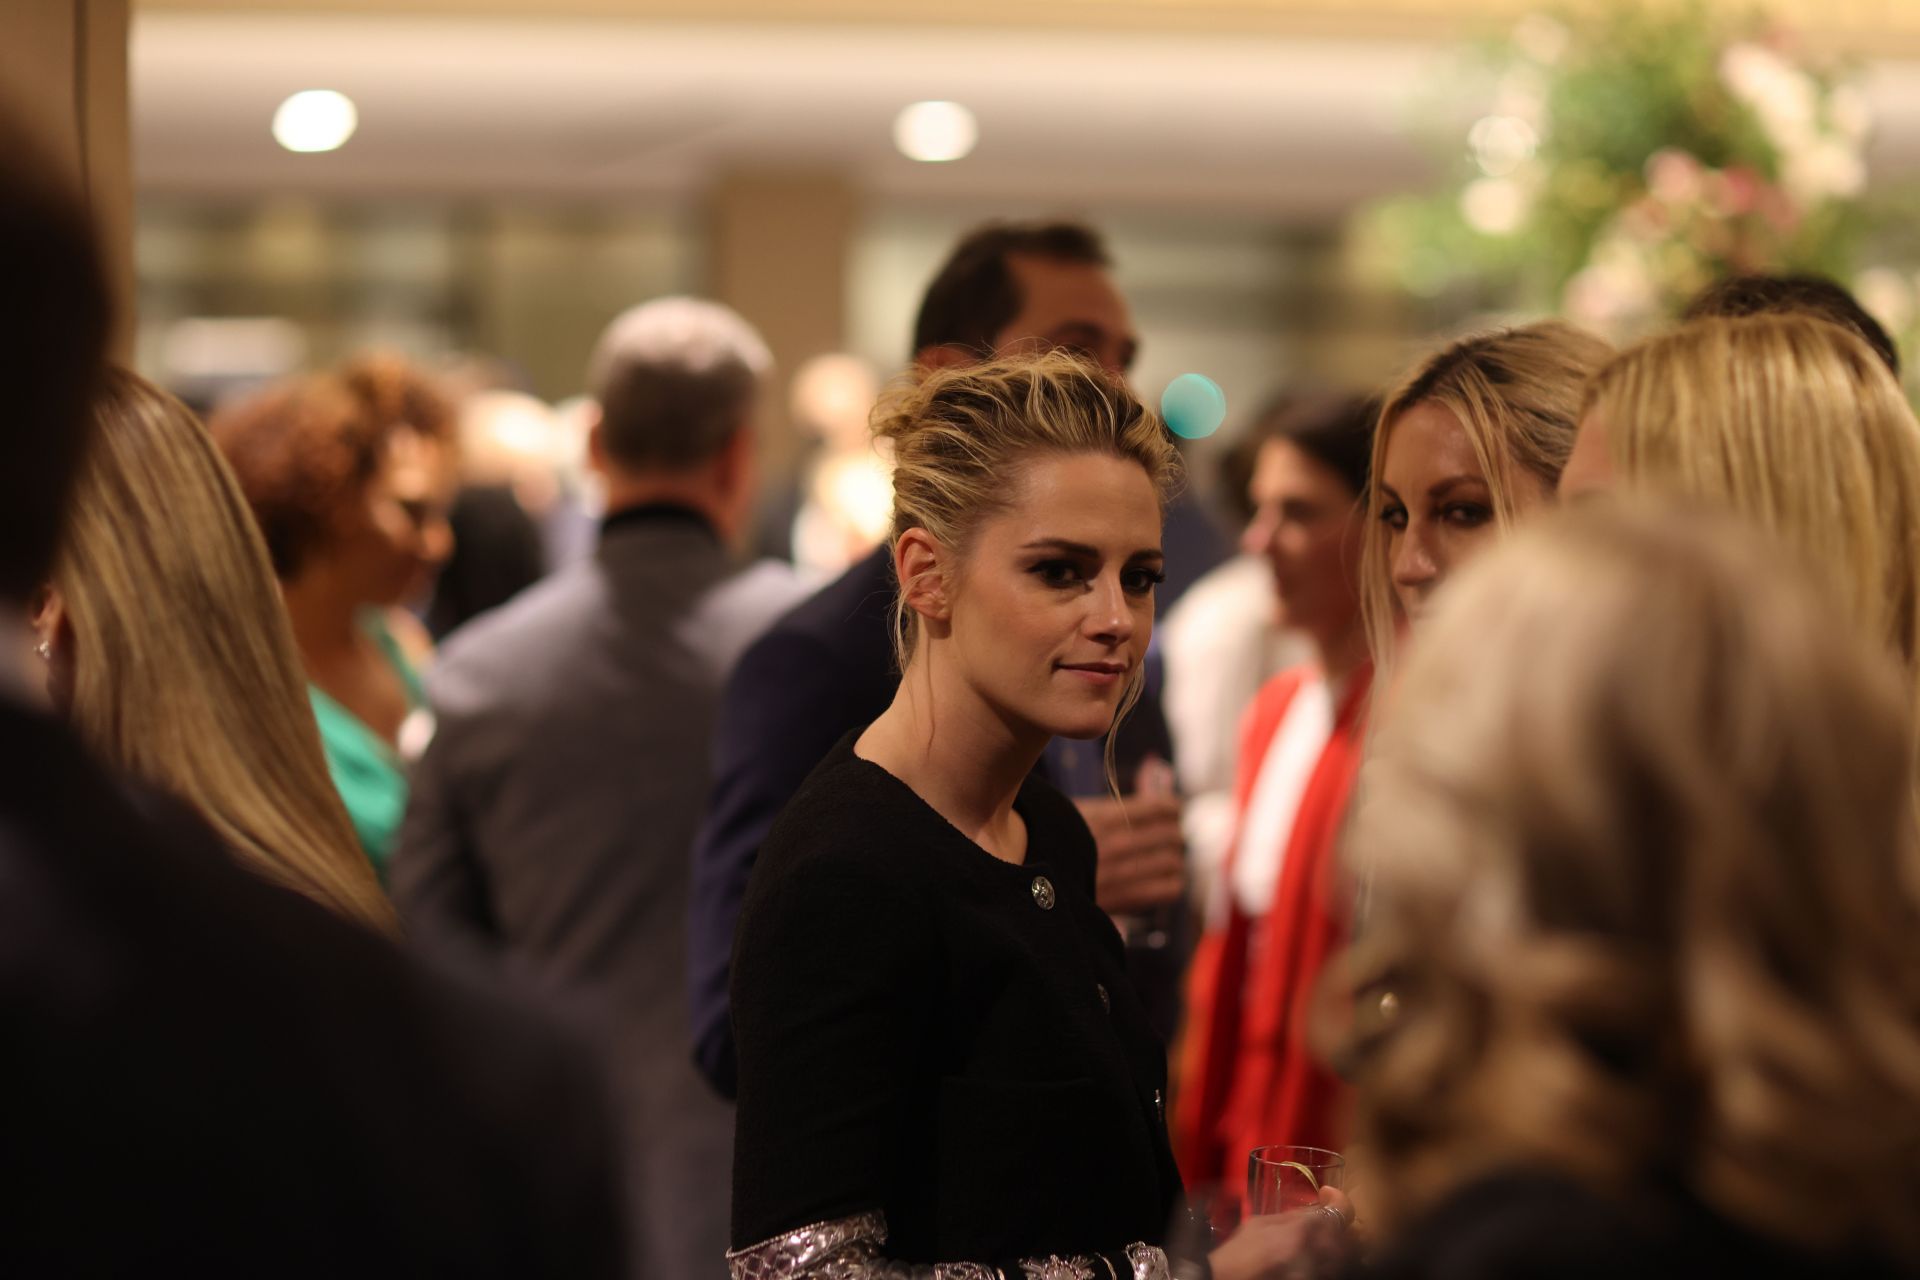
(929, 1031)
(553, 815)
(822, 669)
(825, 668)
(210, 1076)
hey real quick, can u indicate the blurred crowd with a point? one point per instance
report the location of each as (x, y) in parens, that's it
(1505, 791)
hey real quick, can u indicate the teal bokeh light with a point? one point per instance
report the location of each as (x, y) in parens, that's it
(1193, 406)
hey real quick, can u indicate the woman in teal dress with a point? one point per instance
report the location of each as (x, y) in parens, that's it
(350, 474)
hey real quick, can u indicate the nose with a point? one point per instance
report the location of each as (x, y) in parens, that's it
(436, 540)
(1414, 565)
(1109, 611)
(1257, 538)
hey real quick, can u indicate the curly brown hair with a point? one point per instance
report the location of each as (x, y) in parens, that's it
(305, 449)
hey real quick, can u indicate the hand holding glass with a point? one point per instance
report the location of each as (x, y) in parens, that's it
(1283, 1178)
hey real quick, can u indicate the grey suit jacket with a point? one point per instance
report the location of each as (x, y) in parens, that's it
(552, 819)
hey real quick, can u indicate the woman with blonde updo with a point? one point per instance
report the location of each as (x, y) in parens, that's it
(1644, 902)
(169, 650)
(1472, 442)
(942, 1061)
(1789, 422)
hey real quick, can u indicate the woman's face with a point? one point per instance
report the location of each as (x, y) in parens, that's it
(1052, 609)
(1308, 525)
(397, 537)
(1436, 503)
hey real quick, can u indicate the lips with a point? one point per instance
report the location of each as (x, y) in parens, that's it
(1099, 673)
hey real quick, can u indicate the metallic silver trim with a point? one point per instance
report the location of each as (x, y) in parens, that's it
(849, 1249)
(1148, 1262)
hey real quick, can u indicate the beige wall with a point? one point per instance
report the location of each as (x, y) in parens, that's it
(63, 73)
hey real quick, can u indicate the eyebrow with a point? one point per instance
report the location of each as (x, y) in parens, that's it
(1086, 552)
(1444, 487)
(1441, 488)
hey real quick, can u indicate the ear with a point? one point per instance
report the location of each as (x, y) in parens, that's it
(47, 612)
(731, 473)
(922, 562)
(596, 443)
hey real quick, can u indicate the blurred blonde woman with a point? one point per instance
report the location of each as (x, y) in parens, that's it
(169, 650)
(1644, 901)
(1471, 442)
(1794, 424)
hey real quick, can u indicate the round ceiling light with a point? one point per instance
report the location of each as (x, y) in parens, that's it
(935, 131)
(315, 120)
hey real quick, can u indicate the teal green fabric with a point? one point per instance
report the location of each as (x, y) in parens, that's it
(367, 772)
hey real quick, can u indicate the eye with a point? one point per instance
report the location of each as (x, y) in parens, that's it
(1140, 582)
(1394, 516)
(1058, 573)
(1466, 515)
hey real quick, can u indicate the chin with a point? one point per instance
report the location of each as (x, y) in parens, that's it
(1084, 725)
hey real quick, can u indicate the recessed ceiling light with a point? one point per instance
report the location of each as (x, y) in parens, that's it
(315, 120)
(935, 131)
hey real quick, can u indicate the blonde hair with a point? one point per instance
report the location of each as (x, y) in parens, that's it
(1795, 425)
(1516, 394)
(185, 671)
(959, 436)
(1638, 831)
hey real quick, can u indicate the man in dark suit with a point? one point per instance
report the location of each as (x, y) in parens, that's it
(828, 666)
(552, 819)
(209, 1075)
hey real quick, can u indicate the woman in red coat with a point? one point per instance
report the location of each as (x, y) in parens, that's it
(1270, 926)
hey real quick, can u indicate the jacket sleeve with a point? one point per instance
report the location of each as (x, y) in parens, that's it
(783, 711)
(437, 882)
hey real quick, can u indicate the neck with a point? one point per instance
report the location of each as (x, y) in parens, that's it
(966, 761)
(624, 492)
(323, 613)
(1342, 653)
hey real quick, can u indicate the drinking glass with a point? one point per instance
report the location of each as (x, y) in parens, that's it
(1283, 1178)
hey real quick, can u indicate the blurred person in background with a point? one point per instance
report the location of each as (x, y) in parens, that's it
(1278, 910)
(168, 649)
(1472, 442)
(1637, 992)
(552, 818)
(1219, 645)
(829, 666)
(509, 488)
(847, 489)
(218, 1077)
(1792, 423)
(1815, 296)
(835, 511)
(350, 474)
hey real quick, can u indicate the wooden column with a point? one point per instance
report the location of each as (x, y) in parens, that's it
(63, 80)
(778, 246)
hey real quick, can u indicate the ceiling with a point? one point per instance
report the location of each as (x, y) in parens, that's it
(456, 105)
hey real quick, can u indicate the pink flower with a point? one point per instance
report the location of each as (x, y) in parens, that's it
(1674, 176)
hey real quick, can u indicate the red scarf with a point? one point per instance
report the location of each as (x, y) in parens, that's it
(1248, 1075)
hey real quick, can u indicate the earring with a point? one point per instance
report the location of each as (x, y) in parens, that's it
(45, 650)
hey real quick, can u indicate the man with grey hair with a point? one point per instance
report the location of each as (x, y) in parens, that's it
(553, 816)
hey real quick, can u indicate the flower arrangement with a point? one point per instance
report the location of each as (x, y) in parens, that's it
(1626, 155)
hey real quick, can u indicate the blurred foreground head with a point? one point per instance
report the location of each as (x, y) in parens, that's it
(1638, 834)
(53, 332)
